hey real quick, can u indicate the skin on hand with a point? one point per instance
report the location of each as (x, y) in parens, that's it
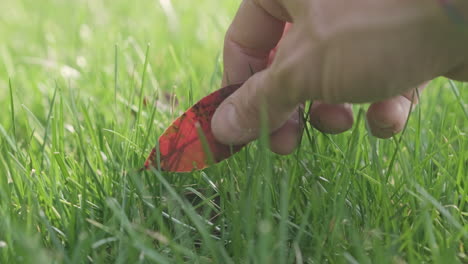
(337, 52)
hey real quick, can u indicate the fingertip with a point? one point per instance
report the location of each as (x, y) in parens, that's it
(286, 139)
(331, 118)
(387, 118)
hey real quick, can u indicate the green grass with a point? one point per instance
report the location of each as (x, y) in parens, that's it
(74, 131)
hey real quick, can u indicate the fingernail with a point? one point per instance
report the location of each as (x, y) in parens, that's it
(382, 129)
(232, 118)
(383, 125)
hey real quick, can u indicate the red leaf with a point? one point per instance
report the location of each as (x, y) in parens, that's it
(182, 146)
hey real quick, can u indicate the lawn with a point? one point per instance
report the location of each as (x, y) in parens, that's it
(86, 88)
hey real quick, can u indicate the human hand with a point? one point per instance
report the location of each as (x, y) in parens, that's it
(337, 52)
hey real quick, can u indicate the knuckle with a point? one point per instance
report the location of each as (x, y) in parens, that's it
(275, 8)
(284, 81)
(231, 44)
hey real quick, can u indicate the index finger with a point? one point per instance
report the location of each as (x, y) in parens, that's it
(252, 35)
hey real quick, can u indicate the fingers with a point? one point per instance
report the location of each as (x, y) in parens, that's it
(248, 42)
(238, 119)
(388, 117)
(331, 118)
(285, 140)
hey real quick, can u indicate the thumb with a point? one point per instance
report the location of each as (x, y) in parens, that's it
(238, 119)
(255, 31)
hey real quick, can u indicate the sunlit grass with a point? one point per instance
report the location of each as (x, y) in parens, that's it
(86, 88)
